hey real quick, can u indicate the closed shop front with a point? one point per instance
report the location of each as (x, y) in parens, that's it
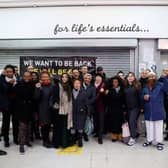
(117, 35)
(111, 59)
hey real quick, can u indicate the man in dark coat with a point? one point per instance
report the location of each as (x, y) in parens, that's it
(79, 108)
(7, 103)
(44, 94)
(24, 102)
(91, 96)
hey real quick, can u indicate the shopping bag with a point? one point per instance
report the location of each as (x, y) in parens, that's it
(125, 132)
(88, 126)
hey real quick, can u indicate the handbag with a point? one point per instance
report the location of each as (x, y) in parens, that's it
(125, 132)
(89, 126)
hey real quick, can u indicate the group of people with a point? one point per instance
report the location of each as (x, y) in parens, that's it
(55, 109)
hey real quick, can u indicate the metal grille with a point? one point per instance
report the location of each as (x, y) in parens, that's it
(112, 60)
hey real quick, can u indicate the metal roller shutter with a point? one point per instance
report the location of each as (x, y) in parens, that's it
(8, 57)
(112, 60)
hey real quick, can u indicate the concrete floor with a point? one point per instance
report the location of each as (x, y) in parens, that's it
(108, 155)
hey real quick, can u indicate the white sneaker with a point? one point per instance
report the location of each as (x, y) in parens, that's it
(131, 142)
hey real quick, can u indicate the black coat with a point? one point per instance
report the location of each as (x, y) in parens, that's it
(91, 98)
(44, 95)
(79, 109)
(7, 94)
(116, 108)
(132, 98)
(24, 101)
(4, 102)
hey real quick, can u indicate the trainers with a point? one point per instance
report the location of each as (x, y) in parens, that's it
(131, 142)
(159, 146)
(146, 144)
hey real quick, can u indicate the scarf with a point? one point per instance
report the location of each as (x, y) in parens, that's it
(9, 79)
(75, 93)
(117, 89)
(67, 88)
(85, 86)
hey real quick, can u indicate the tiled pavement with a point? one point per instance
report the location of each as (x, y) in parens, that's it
(108, 155)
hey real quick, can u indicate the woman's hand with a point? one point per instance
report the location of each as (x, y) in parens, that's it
(38, 85)
(106, 92)
(102, 90)
(146, 97)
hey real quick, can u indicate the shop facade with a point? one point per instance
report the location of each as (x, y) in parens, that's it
(127, 38)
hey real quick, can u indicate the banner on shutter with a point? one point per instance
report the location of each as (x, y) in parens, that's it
(56, 65)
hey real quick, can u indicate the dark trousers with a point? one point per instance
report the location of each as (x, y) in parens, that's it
(99, 124)
(132, 121)
(35, 129)
(61, 135)
(45, 131)
(24, 132)
(6, 125)
(56, 129)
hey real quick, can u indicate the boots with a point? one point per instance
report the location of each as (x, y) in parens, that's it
(72, 140)
(45, 136)
(100, 141)
(80, 143)
(47, 144)
(120, 137)
(85, 137)
(114, 137)
(21, 149)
